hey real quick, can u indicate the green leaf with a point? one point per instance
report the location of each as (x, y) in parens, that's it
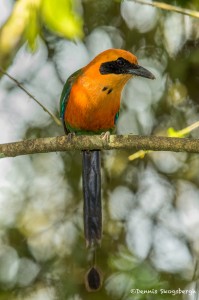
(171, 132)
(32, 29)
(60, 17)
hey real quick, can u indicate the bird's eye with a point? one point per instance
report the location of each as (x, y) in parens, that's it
(121, 61)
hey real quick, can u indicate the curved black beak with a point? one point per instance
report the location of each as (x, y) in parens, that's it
(140, 71)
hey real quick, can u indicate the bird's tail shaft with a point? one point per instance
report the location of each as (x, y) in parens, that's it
(92, 196)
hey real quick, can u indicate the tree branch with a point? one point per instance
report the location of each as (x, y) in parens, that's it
(165, 6)
(57, 121)
(128, 142)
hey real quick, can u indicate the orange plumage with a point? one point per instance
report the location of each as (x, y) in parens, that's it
(94, 98)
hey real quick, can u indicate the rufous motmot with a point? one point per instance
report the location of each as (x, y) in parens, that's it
(90, 104)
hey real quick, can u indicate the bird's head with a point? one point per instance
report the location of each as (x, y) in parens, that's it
(118, 62)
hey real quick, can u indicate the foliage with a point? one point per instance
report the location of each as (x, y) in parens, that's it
(28, 19)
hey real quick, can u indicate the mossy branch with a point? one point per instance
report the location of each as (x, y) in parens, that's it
(127, 142)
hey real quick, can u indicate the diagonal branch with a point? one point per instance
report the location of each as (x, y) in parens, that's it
(127, 142)
(57, 121)
(165, 6)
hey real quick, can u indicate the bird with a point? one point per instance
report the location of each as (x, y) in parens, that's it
(89, 105)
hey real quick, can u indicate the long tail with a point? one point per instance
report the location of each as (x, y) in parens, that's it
(92, 196)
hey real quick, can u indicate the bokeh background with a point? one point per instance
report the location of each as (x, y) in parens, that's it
(150, 205)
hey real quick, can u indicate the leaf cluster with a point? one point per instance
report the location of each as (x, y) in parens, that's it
(29, 17)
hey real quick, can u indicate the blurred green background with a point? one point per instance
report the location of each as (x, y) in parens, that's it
(150, 205)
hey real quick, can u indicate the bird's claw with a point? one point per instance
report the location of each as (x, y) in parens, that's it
(105, 136)
(70, 136)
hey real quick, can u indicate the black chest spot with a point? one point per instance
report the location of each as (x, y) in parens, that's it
(106, 88)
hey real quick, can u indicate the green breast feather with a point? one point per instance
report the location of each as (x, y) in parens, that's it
(65, 95)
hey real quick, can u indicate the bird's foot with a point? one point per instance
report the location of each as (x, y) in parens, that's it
(70, 136)
(105, 136)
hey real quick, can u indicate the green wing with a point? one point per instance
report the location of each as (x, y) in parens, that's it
(65, 95)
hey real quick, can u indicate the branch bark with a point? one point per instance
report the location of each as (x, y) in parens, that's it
(128, 142)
